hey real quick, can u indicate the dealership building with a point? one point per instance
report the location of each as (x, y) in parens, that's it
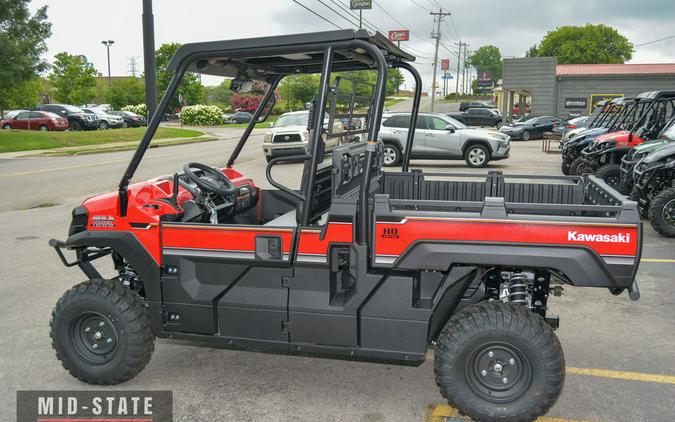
(544, 87)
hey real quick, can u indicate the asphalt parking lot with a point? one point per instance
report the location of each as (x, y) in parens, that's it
(619, 353)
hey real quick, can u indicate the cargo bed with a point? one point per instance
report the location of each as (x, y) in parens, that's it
(589, 231)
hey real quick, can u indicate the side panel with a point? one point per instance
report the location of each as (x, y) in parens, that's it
(602, 255)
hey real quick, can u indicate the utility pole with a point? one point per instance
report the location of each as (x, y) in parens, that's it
(133, 66)
(149, 58)
(464, 72)
(440, 14)
(107, 44)
(459, 61)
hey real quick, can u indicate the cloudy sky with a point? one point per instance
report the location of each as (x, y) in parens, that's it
(512, 26)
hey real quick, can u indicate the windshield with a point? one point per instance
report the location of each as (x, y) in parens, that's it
(292, 120)
(73, 109)
(529, 121)
(668, 132)
(96, 111)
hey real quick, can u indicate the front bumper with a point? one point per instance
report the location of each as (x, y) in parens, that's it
(503, 152)
(283, 149)
(91, 124)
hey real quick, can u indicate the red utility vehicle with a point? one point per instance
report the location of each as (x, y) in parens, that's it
(357, 262)
(35, 120)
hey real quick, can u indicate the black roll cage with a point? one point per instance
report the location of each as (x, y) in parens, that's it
(270, 59)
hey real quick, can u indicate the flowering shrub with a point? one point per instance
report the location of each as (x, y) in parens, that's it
(245, 102)
(201, 115)
(139, 109)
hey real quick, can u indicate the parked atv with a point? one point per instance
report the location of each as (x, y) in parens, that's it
(636, 154)
(654, 184)
(603, 156)
(619, 111)
(357, 262)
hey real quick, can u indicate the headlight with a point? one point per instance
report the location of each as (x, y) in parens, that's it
(267, 137)
(305, 135)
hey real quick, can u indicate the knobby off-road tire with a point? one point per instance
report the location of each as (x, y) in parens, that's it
(565, 167)
(499, 362)
(635, 195)
(662, 213)
(611, 174)
(101, 333)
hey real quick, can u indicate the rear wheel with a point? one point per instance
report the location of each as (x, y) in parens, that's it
(477, 155)
(662, 213)
(526, 135)
(44, 128)
(101, 333)
(498, 125)
(611, 174)
(392, 155)
(497, 362)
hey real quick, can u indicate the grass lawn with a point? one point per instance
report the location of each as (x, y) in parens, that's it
(23, 140)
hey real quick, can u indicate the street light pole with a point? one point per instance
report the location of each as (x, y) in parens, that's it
(107, 44)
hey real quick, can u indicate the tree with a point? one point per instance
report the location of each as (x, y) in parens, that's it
(488, 59)
(586, 44)
(532, 51)
(22, 42)
(125, 92)
(190, 87)
(219, 95)
(73, 79)
(394, 80)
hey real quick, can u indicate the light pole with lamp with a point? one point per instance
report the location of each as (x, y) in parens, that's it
(107, 46)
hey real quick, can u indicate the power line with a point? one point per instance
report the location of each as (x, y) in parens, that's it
(313, 12)
(337, 13)
(420, 6)
(452, 21)
(655, 41)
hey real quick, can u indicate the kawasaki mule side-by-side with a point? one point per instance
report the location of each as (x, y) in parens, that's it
(357, 262)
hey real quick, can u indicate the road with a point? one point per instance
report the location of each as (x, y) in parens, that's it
(598, 330)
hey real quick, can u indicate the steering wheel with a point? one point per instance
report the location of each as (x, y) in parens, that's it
(211, 180)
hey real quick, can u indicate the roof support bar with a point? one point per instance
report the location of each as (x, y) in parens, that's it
(415, 110)
(363, 217)
(269, 95)
(315, 140)
(147, 137)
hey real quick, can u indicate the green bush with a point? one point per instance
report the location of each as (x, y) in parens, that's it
(139, 109)
(201, 115)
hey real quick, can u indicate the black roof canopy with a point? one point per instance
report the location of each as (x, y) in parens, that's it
(267, 57)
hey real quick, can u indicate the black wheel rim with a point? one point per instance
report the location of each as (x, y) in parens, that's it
(94, 338)
(498, 372)
(668, 212)
(613, 180)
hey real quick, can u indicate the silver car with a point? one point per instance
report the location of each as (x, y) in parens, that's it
(438, 136)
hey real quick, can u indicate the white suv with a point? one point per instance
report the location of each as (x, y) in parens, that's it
(289, 135)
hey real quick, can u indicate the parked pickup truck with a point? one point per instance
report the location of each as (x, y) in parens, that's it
(479, 117)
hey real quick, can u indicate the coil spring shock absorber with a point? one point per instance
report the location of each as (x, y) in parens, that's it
(518, 289)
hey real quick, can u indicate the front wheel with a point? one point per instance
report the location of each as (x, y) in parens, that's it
(497, 361)
(577, 166)
(104, 125)
(498, 125)
(392, 155)
(662, 213)
(100, 331)
(6, 126)
(477, 155)
(75, 126)
(611, 174)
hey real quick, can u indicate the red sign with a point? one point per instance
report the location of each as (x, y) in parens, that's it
(399, 35)
(445, 64)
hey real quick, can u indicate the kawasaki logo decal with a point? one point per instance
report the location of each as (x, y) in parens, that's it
(604, 238)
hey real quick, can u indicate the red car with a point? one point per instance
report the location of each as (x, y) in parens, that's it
(35, 120)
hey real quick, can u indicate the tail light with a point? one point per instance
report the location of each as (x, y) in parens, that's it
(571, 126)
(53, 119)
(134, 118)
